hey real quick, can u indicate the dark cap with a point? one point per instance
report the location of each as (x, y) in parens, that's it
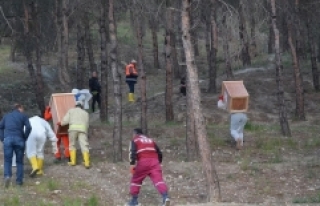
(138, 131)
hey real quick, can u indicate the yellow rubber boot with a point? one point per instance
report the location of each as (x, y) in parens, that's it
(40, 166)
(34, 165)
(73, 157)
(131, 97)
(86, 159)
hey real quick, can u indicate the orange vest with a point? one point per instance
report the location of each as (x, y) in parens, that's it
(131, 70)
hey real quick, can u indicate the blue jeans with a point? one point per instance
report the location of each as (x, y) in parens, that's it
(131, 85)
(16, 145)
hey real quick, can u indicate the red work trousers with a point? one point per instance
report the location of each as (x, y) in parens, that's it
(65, 141)
(148, 167)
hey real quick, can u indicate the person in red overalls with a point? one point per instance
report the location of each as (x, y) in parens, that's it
(145, 160)
(64, 138)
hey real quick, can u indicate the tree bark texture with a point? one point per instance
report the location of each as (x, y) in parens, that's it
(40, 85)
(313, 56)
(191, 138)
(245, 55)
(271, 33)
(64, 69)
(104, 63)
(88, 40)
(193, 28)
(226, 51)
(182, 57)
(31, 37)
(213, 47)
(285, 128)
(169, 74)
(81, 71)
(300, 113)
(155, 47)
(117, 128)
(58, 24)
(143, 79)
(253, 48)
(213, 187)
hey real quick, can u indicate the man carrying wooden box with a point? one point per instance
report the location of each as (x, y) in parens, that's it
(235, 99)
(78, 120)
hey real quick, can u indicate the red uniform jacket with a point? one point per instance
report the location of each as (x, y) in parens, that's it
(143, 147)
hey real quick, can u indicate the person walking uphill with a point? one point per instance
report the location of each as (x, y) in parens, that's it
(13, 137)
(36, 141)
(95, 90)
(78, 120)
(131, 78)
(145, 159)
(62, 138)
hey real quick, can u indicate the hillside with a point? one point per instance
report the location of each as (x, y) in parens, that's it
(270, 170)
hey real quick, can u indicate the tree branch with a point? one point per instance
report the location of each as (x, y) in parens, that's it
(1, 10)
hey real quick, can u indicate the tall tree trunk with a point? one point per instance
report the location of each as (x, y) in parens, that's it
(40, 86)
(226, 51)
(213, 49)
(169, 75)
(29, 19)
(193, 29)
(191, 138)
(64, 74)
(58, 24)
(117, 128)
(81, 71)
(155, 50)
(13, 41)
(300, 113)
(271, 33)
(104, 63)
(313, 56)
(284, 33)
(143, 79)
(285, 128)
(88, 41)
(297, 23)
(245, 55)
(213, 187)
(182, 65)
(253, 34)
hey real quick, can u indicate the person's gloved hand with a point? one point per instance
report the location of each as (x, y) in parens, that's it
(132, 169)
(54, 147)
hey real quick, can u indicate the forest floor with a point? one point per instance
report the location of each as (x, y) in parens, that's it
(270, 170)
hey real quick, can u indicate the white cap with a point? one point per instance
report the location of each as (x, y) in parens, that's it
(133, 61)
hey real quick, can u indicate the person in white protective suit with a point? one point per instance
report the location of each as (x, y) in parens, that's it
(237, 122)
(41, 129)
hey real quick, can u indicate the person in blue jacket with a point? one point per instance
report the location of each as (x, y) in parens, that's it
(13, 136)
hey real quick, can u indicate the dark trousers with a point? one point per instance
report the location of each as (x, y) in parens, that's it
(183, 90)
(14, 145)
(131, 86)
(95, 98)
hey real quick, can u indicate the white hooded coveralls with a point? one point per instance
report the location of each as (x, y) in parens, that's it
(41, 129)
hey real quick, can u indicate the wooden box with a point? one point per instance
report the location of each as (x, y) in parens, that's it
(60, 103)
(235, 96)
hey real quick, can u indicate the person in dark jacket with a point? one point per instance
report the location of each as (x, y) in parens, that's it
(145, 160)
(95, 89)
(13, 138)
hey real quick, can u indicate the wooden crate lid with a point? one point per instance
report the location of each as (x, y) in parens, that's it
(235, 88)
(60, 103)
